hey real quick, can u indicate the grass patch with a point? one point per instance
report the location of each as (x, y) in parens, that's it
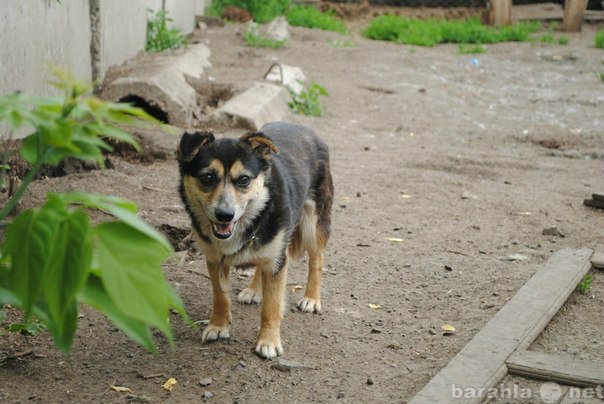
(469, 49)
(599, 40)
(563, 40)
(262, 10)
(584, 286)
(159, 36)
(256, 39)
(431, 32)
(310, 17)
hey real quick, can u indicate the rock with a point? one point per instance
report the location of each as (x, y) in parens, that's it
(291, 77)
(260, 104)
(278, 29)
(207, 395)
(516, 257)
(206, 381)
(370, 381)
(467, 195)
(285, 365)
(553, 231)
(157, 82)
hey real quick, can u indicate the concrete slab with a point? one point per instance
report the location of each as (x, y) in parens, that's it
(291, 77)
(260, 104)
(160, 80)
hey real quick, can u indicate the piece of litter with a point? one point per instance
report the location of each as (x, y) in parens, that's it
(394, 239)
(517, 257)
(374, 306)
(121, 389)
(169, 385)
(448, 329)
(406, 196)
(296, 288)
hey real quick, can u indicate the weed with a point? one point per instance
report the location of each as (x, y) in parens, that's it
(465, 49)
(547, 39)
(563, 40)
(310, 17)
(159, 36)
(599, 40)
(307, 102)
(345, 41)
(30, 328)
(585, 284)
(257, 40)
(262, 10)
(599, 76)
(432, 32)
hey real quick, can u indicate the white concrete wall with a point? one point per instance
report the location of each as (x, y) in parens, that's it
(182, 12)
(123, 28)
(35, 31)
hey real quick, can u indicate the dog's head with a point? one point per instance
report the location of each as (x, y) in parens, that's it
(223, 181)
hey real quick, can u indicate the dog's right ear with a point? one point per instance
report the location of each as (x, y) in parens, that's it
(191, 143)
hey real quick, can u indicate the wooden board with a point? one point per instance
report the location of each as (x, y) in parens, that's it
(556, 368)
(481, 363)
(597, 260)
(573, 15)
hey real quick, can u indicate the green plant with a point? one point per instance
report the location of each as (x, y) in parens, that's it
(345, 41)
(599, 39)
(262, 10)
(563, 40)
(432, 32)
(310, 17)
(159, 36)
(585, 284)
(307, 102)
(257, 40)
(465, 49)
(547, 39)
(599, 76)
(53, 258)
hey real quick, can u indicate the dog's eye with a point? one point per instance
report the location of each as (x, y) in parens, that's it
(243, 181)
(207, 179)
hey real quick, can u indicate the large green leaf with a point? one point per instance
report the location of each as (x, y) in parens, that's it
(121, 209)
(95, 295)
(130, 266)
(66, 269)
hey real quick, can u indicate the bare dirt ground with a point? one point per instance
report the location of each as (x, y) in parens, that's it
(462, 163)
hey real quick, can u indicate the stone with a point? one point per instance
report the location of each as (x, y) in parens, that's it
(159, 83)
(553, 231)
(285, 365)
(260, 104)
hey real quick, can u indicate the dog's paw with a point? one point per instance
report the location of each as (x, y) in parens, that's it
(269, 349)
(309, 305)
(214, 332)
(249, 296)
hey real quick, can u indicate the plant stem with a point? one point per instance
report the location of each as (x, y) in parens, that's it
(12, 202)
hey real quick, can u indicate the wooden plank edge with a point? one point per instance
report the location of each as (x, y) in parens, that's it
(556, 368)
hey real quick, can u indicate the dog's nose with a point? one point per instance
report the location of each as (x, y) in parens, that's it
(224, 215)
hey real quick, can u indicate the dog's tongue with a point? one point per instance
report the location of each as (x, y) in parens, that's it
(224, 229)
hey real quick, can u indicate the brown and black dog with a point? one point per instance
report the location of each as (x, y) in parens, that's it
(259, 200)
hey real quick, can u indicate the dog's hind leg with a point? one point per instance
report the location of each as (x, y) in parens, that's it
(221, 303)
(253, 293)
(273, 290)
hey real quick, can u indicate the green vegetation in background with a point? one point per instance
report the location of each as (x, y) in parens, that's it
(310, 17)
(53, 258)
(431, 32)
(262, 10)
(256, 39)
(466, 49)
(307, 102)
(159, 36)
(599, 40)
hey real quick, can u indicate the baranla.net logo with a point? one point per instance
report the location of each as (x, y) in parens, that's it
(549, 392)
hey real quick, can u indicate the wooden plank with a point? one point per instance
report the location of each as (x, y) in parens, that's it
(597, 260)
(481, 363)
(573, 15)
(556, 368)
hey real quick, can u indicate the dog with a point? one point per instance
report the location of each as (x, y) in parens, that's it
(260, 200)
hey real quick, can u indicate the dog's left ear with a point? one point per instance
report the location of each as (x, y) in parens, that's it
(260, 143)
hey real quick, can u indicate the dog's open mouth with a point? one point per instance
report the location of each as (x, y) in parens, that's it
(223, 230)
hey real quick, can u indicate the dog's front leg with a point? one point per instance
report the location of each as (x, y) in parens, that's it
(273, 293)
(221, 303)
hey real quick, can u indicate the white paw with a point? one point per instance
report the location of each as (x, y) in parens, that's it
(249, 296)
(214, 332)
(269, 350)
(309, 305)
